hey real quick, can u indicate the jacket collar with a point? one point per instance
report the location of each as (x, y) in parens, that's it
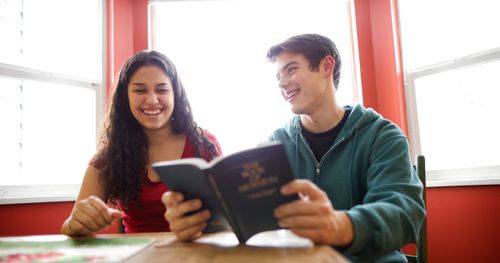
(359, 117)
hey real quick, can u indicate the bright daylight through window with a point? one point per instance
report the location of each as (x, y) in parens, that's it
(220, 49)
(50, 84)
(452, 88)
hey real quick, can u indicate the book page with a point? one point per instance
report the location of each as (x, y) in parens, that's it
(197, 162)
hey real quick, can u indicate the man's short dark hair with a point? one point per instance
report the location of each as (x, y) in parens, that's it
(314, 47)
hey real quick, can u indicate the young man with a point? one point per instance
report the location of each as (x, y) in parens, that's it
(359, 190)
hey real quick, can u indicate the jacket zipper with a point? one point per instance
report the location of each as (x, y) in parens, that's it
(329, 150)
(318, 164)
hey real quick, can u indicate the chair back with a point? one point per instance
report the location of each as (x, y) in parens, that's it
(421, 255)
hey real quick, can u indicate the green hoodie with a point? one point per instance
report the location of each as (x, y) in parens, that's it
(368, 173)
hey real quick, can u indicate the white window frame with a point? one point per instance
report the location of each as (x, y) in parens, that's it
(450, 177)
(21, 194)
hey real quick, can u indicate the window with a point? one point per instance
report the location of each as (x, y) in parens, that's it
(219, 48)
(452, 59)
(50, 94)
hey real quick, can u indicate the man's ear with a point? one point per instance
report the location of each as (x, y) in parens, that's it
(327, 64)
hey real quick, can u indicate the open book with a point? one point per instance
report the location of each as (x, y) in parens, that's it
(241, 190)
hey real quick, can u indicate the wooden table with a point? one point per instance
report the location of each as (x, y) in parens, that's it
(223, 247)
(275, 246)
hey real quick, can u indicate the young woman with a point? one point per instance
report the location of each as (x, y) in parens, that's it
(150, 120)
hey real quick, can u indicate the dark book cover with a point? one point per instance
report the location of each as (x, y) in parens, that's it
(192, 182)
(241, 189)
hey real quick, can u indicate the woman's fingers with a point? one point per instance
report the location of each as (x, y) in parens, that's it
(99, 212)
(115, 214)
(91, 215)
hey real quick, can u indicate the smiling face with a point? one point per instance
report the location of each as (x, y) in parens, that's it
(151, 97)
(303, 88)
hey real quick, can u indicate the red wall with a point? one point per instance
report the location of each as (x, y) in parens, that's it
(380, 58)
(37, 219)
(127, 33)
(463, 222)
(29, 219)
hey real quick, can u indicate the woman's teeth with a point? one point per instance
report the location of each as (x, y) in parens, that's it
(152, 112)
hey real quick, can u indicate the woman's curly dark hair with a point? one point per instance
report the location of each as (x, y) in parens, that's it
(124, 145)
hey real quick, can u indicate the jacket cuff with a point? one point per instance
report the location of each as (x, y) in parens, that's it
(360, 238)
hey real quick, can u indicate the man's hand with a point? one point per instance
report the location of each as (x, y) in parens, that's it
(186, 227)
(313, 216)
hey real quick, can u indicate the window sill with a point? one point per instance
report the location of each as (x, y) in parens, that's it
(24, 194)
(462, 182)
(464, 177)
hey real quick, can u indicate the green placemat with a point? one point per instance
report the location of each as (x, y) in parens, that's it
(72, 250)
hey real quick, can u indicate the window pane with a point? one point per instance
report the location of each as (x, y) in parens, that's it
(434, 31)
(58, 135)
(10, 129)
(10, 28)
(48, 130)
(219, 48)
(64, 38)
(458, 117)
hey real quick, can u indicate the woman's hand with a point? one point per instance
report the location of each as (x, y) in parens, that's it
(313, 216)
(89, 216)
(186, 227)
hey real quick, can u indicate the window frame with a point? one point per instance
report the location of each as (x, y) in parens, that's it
(449, 177)
(21, 194)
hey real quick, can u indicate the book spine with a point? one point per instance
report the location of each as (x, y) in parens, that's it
(231, 220)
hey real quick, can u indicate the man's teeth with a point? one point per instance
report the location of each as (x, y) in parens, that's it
(290, 94)
(152, 112)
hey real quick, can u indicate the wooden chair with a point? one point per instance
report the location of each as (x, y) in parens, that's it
(421, 254)
(121, 227)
